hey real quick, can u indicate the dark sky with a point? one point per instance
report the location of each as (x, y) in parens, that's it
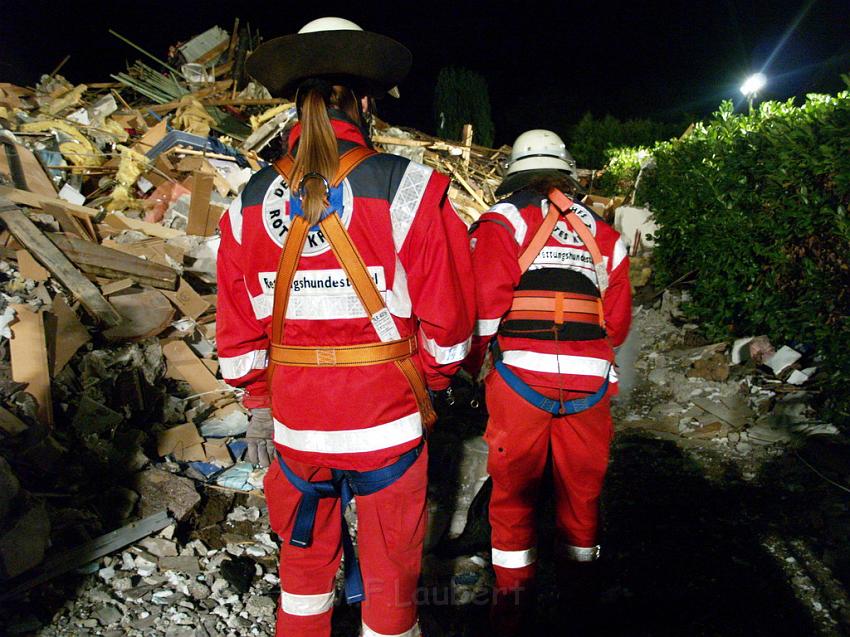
(545, 66)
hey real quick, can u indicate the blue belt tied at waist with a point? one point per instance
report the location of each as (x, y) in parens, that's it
(344, 484)
(554, 407)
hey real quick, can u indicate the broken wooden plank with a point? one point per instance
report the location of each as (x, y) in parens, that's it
(199, 205)
(146, 313)
(34, 200)
(123, 222)
(62, 562)
(472, 192)
(26, 232)
(93, 258)
(30, 362)
(74, 224)
(38, 181)
(116, 286)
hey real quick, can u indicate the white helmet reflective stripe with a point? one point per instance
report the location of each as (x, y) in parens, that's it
(329, 24)
(540, 149)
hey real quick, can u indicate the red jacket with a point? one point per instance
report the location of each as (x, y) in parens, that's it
(415, 246)
(497, 241)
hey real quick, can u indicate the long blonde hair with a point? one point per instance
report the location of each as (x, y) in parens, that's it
(318, 151)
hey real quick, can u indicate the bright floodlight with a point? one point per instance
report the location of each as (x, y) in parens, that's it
(753, 84)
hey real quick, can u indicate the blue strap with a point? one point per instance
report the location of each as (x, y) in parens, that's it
(554, 407)
(343, 485)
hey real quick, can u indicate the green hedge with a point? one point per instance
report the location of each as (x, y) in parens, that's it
(622, 170)
(592, 138)
(757, 205)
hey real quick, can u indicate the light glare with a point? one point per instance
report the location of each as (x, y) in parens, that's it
(753, 84)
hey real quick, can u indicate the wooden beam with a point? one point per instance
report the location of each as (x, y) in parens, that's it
(93, 258)
(34, 200)
(467, 144)
(70, 223)
(123, 222)
(459, 178)
(34, 240)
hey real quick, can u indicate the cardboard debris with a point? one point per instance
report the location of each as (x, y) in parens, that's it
(189, 302)
(30, 361)
(183, 442)
(30, 268)
(190, 367)
(144, 314)
(218, 453)
(10, 423)
(67, 335)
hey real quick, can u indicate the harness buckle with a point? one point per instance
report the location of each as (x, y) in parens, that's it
(313, 175)
(325, 357)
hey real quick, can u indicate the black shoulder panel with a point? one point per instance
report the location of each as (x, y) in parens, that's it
(378, 177)
(255, 190)
(523, 198)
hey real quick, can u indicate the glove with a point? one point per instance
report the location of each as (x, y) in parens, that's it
(259, 437)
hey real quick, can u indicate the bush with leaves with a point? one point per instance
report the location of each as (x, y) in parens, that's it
(622, 170)
(592, 139)
(756, 205)
(461, 97)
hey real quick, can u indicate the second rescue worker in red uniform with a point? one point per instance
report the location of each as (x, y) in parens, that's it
(347, 272)
(553, 289)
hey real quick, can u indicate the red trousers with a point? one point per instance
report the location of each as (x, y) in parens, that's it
(519, 437)
(390, 536)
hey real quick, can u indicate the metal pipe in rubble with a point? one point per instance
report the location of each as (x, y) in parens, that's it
(16, 169)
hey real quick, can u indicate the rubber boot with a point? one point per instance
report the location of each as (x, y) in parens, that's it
(512, 613)
(579, 587)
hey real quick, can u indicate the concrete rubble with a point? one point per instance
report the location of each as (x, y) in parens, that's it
(738, 400)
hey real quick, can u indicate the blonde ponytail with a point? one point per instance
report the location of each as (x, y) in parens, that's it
(317, 153)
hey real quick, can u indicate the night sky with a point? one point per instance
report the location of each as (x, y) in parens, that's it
(545, 66)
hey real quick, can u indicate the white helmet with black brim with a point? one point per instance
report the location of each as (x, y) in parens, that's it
(334, 49)
(537, 153)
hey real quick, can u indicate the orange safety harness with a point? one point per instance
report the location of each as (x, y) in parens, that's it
(398, 351)
(553, 306)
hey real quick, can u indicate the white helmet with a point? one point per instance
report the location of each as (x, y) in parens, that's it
(329, 24)
(540, 149)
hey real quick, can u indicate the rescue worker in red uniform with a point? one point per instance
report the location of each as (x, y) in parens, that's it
(344, 298)
(554, 300)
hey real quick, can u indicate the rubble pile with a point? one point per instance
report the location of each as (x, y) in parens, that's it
(742, 397)
(114, 422)
(112, 411)
(162, 586)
